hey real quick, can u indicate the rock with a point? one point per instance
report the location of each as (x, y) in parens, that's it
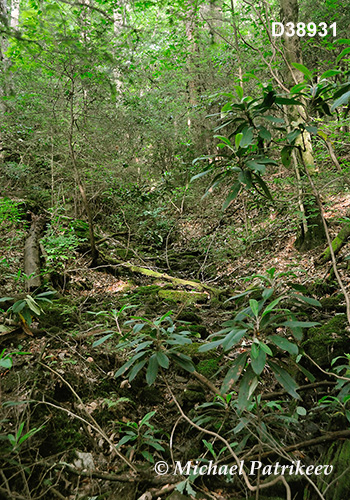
(183, 296)
(84, 461)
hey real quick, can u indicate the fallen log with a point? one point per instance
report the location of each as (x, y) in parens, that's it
(32, 253)
(338, 242)
(201, 287)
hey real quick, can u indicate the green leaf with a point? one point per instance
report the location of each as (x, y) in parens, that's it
(25, 313)
(286, 156)
(136, 369)
(152, 369)
(262, 184)
(234, 191)
(300, 324)
(245, 177)
(297, 88)
(201, 174)
(234, 372)
(307, 300)
(126, 439)
(162, 359)
(200, 158)
(129, 363)
(254, 306)
(232, 338)
(284, 344)
(273, 119)
(344, 99)
(147, 455)
(343, 53)
(266, 348)
(239, 91)
(33, 306)
(291, 136)
(147, 417)
(330, 72)
(307, 374)
(185, 364)
(209, 446)
(247, 137)
(303, 70)
(18, 306)
(288, 102)
(138, 327)
(267, 293)
(285, 379)
(265, 134)
(270, 307)
(301, 411)
(209, 346)
(238, 139)
(247, 386)
(101, 340)
(224, 139)
(6, 363)
(5, 299)
(258, 362)
(254, 165)
(311, 129)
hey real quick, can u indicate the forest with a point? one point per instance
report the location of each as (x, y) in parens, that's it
(174, 249)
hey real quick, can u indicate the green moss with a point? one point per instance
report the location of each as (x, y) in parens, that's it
(195, 329)
(334, 303)
(208, 367)
(191, 350)
(183, 296)
(62, 434)
(327, 341)
(194, 393)
(147, 290)
(338, 455)
(189, 316)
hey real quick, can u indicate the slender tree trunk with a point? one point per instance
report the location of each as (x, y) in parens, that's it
(192, 55)
(94, 251)
(312, 230)
(238, 50)
(14, 14)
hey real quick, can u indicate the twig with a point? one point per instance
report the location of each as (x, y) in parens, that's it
(95, 425)
(331, 374)
(329, 241)
(332, 436)
(264, 485)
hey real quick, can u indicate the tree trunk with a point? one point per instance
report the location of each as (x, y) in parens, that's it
(312, 232)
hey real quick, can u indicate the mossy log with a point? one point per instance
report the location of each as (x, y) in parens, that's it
(201, 287)
(337, 244)
(32, 253)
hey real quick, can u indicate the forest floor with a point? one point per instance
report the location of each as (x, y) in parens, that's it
(62, 385)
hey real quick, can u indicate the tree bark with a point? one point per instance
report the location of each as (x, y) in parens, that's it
(32, 253)
(338, 242)
(312, 232)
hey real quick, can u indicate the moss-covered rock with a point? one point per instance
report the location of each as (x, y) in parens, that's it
(191, 350)
(196, 330)
(194, 393)
(208, 367)
(190, 316)
(337, 455)
(334, 303)
(325, 342)
(183, 296)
